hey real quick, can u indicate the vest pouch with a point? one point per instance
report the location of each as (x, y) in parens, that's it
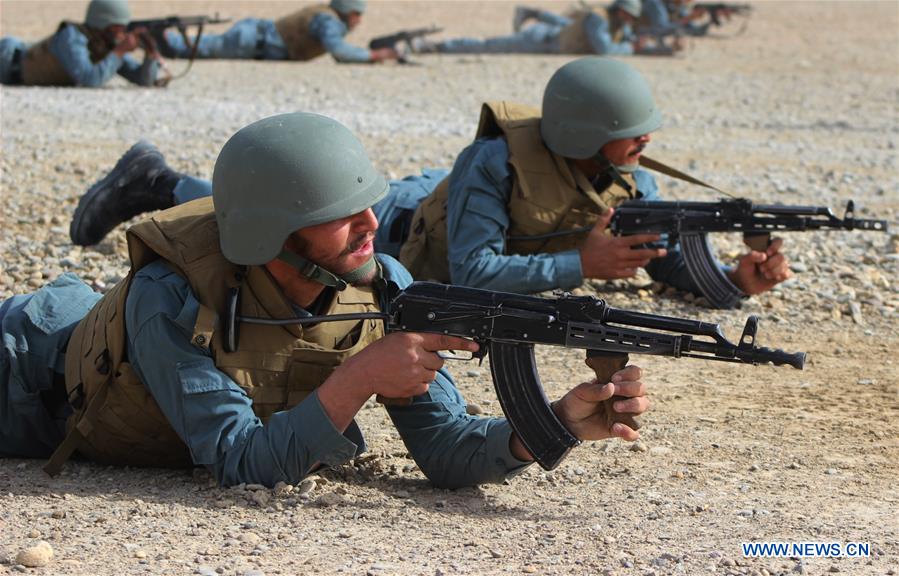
(425, 251)
(133, 429)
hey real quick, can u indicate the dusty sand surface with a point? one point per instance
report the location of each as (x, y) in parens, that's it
(801, 108)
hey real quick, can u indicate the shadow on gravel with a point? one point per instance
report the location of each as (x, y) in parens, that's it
(419, 493)
(195, 489)
(79, 478)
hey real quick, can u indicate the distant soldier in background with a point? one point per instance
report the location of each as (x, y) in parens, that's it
(585, 30)
(87, 54)
(667, 18)
(303, 35)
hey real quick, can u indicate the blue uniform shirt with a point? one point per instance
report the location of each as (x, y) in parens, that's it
(478, 221)
(69, 46)
(599, 36)
(215, 418)
(330, 32)
(659, 21)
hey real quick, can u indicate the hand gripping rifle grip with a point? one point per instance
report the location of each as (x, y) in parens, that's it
(605, 364)
(525, 404)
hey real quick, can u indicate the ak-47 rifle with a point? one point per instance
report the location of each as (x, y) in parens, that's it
(720, 11)
(690, 222)
(155, 27)
(402, 37)
(507, 326)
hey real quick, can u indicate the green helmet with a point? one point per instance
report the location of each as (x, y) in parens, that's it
(632, 7)
(594, 100)
(103, 13)
(344, 7)
(284, 173)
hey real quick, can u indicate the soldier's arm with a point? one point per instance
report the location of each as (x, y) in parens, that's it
(477, 223)
(69, 46)
(142, 74)
(208, 410)
(330, 32)
(600, 37)
(452, 448)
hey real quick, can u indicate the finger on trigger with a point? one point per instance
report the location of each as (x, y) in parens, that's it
(637, 239)
(435, 342)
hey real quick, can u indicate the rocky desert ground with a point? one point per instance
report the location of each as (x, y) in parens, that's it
(801, 108)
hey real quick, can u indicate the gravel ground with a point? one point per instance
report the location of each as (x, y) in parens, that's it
(801, 108)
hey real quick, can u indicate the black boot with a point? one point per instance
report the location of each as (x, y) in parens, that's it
(522, 15)
(140, 182)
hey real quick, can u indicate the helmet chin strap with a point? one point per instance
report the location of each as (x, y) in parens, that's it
(318, 274)
(615, 171)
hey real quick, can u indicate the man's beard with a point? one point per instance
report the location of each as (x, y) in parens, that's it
(301, 247)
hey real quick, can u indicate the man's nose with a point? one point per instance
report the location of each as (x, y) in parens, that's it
(366, 221)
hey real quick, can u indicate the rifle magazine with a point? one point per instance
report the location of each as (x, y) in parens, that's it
(704, 270)
(525, 404)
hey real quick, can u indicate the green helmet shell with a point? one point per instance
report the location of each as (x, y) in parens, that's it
(632, 7)
(284, 173)
(103, 13)
(594, 100)
(344, 7)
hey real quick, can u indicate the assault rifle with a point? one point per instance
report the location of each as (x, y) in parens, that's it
(717, 10)
(403, 36)
(507, 326)
(689, 222)
(154, 39)
(179, 22)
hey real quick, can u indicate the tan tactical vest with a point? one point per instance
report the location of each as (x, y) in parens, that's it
(277, 366)
(41, 68)
(548, 195)
(294, 30)
(573, 38)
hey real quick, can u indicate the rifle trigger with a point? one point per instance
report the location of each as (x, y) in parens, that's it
(453, 355)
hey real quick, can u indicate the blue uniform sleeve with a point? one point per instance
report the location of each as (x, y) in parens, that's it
(600, 37)
(142, 74)
(452, 448)
(672, 269)
(477, 224)
(330, 32)
(208, 410)
(69, 46)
